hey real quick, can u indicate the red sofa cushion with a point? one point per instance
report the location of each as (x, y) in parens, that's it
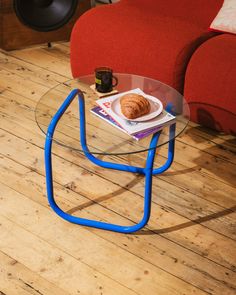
(210, 84)
(199, 12)
(145, 37)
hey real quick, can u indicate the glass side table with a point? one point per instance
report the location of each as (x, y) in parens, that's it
(63, 114)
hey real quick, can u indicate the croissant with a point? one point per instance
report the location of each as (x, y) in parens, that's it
(134, 105)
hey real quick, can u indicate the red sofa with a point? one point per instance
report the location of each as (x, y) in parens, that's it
(167, 40)
(210, 84)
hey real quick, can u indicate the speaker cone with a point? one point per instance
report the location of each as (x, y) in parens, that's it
(45, 15)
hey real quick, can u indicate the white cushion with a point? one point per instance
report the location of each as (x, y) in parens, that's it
(225, 20)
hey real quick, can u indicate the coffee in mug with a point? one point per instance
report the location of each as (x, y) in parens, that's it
(104, 79)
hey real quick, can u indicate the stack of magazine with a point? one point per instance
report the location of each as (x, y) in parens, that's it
(136, 129)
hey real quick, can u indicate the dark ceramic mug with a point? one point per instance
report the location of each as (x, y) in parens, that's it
(104, 79)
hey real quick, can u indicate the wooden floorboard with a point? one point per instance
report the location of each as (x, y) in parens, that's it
(188, 246)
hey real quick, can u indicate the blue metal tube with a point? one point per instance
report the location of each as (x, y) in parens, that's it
(148, 170)
(61, 111)
(92, 158)
(171, 152)
(148, 179)
(49, 177)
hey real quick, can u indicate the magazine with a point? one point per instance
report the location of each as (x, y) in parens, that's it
(103, 115)
(134, 127)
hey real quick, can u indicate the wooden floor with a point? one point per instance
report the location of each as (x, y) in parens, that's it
(188, 246)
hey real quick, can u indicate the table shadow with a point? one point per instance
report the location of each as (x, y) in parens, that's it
(188, 223)
(106, 197)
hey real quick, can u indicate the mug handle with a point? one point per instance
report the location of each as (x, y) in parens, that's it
(116, 81)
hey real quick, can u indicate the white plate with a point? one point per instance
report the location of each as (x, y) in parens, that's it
(155, 110)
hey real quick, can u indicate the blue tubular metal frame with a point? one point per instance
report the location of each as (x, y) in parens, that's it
(148, 171)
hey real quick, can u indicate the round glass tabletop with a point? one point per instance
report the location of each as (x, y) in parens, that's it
(102, 137)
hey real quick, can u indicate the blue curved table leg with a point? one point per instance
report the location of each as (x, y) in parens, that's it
(147, 171)
(171, 152)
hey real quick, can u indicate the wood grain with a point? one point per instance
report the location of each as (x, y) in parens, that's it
(188, 247)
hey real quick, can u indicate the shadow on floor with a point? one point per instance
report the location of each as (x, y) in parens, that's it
(187, 224)
(217, 158)
(106, 197)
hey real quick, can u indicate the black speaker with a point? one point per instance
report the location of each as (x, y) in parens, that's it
(28, 22)
(45, 15)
